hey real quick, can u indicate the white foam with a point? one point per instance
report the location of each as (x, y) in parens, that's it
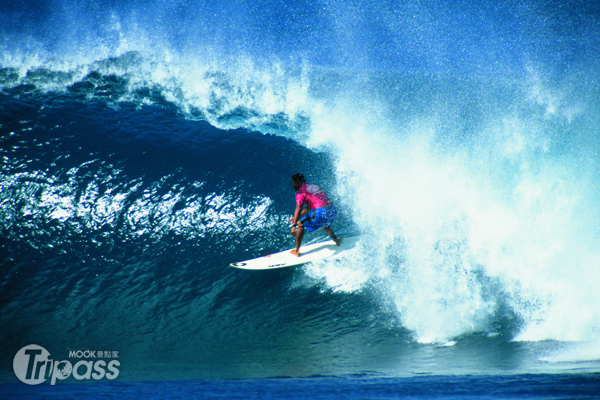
(580, 352)
(509, 202)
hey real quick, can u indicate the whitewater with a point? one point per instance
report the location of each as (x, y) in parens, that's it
(145, 146)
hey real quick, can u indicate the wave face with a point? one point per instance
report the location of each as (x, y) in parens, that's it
(147, 145)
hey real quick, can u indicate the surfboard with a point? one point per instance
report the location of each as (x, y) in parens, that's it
(308, 253)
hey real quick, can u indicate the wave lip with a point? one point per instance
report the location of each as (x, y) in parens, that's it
(271, 99)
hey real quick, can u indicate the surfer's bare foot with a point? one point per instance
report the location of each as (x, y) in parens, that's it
(337, 241)
(295, 252)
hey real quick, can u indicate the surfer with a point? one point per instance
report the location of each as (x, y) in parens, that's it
(313, 211)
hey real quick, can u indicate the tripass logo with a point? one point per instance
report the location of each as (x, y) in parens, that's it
(33, 365)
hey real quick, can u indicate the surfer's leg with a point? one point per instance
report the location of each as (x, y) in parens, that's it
(299, 236)
(332, 234)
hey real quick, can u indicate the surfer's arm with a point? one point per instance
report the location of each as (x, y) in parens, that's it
(296, 216)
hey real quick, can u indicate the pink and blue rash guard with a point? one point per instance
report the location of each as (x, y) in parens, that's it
(313, 195)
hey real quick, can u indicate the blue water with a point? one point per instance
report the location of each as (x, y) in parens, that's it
(147, 145)
(350, 387)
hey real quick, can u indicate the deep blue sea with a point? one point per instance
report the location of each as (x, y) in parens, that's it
(147, 144)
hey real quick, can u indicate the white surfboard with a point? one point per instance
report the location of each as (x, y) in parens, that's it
(308, 253)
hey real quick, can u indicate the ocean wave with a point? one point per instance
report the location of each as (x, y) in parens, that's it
(475, 192)
(473, 216)
(270, 100)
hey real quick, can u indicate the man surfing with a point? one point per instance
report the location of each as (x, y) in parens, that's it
(313, 211)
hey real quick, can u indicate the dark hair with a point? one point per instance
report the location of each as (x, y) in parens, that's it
(299, 178)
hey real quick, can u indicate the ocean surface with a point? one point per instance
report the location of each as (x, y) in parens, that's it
(145, 145)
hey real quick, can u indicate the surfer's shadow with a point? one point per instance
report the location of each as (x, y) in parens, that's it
(331, 247)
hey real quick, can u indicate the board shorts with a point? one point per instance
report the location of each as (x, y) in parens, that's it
(322, 217)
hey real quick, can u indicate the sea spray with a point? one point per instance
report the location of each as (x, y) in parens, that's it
(498, 190)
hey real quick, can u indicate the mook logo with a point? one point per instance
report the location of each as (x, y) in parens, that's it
(33, 365)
